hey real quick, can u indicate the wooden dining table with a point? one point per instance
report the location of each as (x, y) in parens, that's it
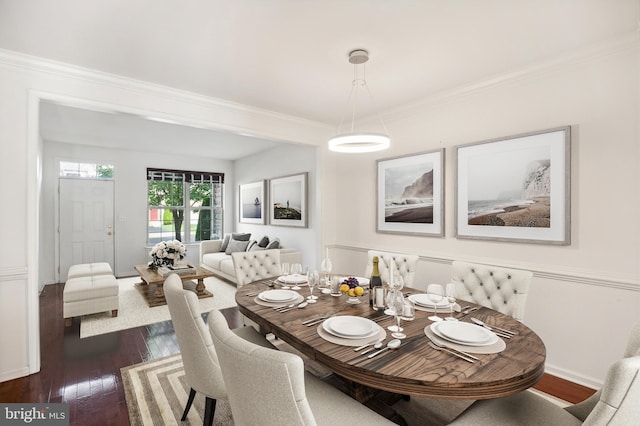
(415, 368)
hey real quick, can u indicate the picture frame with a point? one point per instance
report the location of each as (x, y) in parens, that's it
(288, 200)
(410, 194)
(515, 188)
(253, 201)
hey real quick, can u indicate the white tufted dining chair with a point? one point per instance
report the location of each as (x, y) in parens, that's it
(616, 404)
(201, 366)
(269, 387)
(403, 264)
(255, 265)
(504, 290)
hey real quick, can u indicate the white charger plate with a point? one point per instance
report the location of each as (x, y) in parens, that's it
(423, 300)
(293, 279)
(464, 333)
(278, 295)
(350, 327)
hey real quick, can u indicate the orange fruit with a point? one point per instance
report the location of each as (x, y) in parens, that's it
(359, 291)
(344, 288)
(351, 292)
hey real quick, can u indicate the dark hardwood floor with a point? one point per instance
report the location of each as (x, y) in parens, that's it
(86, 373)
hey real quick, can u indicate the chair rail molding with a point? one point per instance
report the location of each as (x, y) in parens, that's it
(13, 273)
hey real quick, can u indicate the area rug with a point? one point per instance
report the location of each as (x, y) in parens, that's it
(135, 312)
(156, 393)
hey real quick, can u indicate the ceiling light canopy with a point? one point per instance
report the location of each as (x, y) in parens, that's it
(356, 141)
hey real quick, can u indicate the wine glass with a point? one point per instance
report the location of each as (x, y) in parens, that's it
(392, 295)
(398, 306)
(285, 274)
(313, 278)
(407, 313)
(435, 293)
(450, 293)
(326, 268)
(296, 271)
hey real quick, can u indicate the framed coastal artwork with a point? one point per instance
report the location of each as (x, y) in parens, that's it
(410, 195)
(288, 198)
(515, 188)
(252, 202)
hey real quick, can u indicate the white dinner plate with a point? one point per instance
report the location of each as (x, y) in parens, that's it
(464, 333)
(423, 300)
(350, 327)
(278, 295)
(362, 282)
(293, 279)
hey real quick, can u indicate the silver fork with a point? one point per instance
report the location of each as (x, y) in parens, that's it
(468, 358)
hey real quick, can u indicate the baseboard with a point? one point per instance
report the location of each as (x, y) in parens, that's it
(573, 377)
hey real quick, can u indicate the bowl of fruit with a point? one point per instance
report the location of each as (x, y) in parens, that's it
(351, 287)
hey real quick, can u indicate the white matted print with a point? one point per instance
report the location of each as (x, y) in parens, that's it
(411, 194)
(288, 197)
(515, 188)
(252, 202)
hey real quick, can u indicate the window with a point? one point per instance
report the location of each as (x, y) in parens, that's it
(184, 205)
(86, 170)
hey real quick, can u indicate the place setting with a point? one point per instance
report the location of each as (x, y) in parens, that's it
(278, 298)
(464, 338)
(350, 330)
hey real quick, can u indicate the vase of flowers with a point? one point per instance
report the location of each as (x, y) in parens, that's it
(166, 253)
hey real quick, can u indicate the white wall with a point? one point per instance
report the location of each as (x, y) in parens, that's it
(584, 297)
(130, 202)
(24, 81)
(278, 162)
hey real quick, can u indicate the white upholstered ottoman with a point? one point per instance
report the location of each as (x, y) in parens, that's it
(89, 270)
(89, 295)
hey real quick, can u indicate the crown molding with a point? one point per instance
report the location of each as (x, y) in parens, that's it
(52, 67)
(596, 52)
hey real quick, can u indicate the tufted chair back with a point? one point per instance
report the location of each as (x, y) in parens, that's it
(255, 265)
(403, 265)
(504, 290)
(266, 386)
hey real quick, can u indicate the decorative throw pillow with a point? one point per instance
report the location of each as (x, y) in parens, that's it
(256, 247)
(235, 246)
(225, 242)
(241, 236)
(264, 242)
(251, 244)
(273, 244)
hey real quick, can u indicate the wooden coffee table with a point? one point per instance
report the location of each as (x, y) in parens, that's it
(152, 282)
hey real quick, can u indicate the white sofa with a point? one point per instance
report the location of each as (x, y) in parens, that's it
(221, 264)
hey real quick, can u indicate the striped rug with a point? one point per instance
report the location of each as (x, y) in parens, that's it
(156, 393)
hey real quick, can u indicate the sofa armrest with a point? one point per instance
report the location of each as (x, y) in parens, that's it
(209, 246)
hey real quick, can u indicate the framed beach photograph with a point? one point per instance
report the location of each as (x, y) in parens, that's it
(410, 196)
(515, 188)
(288, 198)
(252, 202)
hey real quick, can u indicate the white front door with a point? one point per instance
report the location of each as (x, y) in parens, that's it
(85, 223)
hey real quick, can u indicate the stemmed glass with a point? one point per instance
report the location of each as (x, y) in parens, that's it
(435, 293)
(296, 270)
(405, 310)
(394, 285)
(326, 268)
(450, 292)
(390, 302)
(313, 278)
(285, 273)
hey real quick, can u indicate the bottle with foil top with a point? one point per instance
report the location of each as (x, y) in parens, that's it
(375, 286)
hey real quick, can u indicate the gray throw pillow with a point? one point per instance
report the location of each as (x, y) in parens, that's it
(241, 237)
(264, 241)
(235, 246)
(274, 244)
(225, 242)
(256, 247)
(251, 244)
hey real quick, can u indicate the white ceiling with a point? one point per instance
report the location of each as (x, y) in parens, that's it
(290, 56)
